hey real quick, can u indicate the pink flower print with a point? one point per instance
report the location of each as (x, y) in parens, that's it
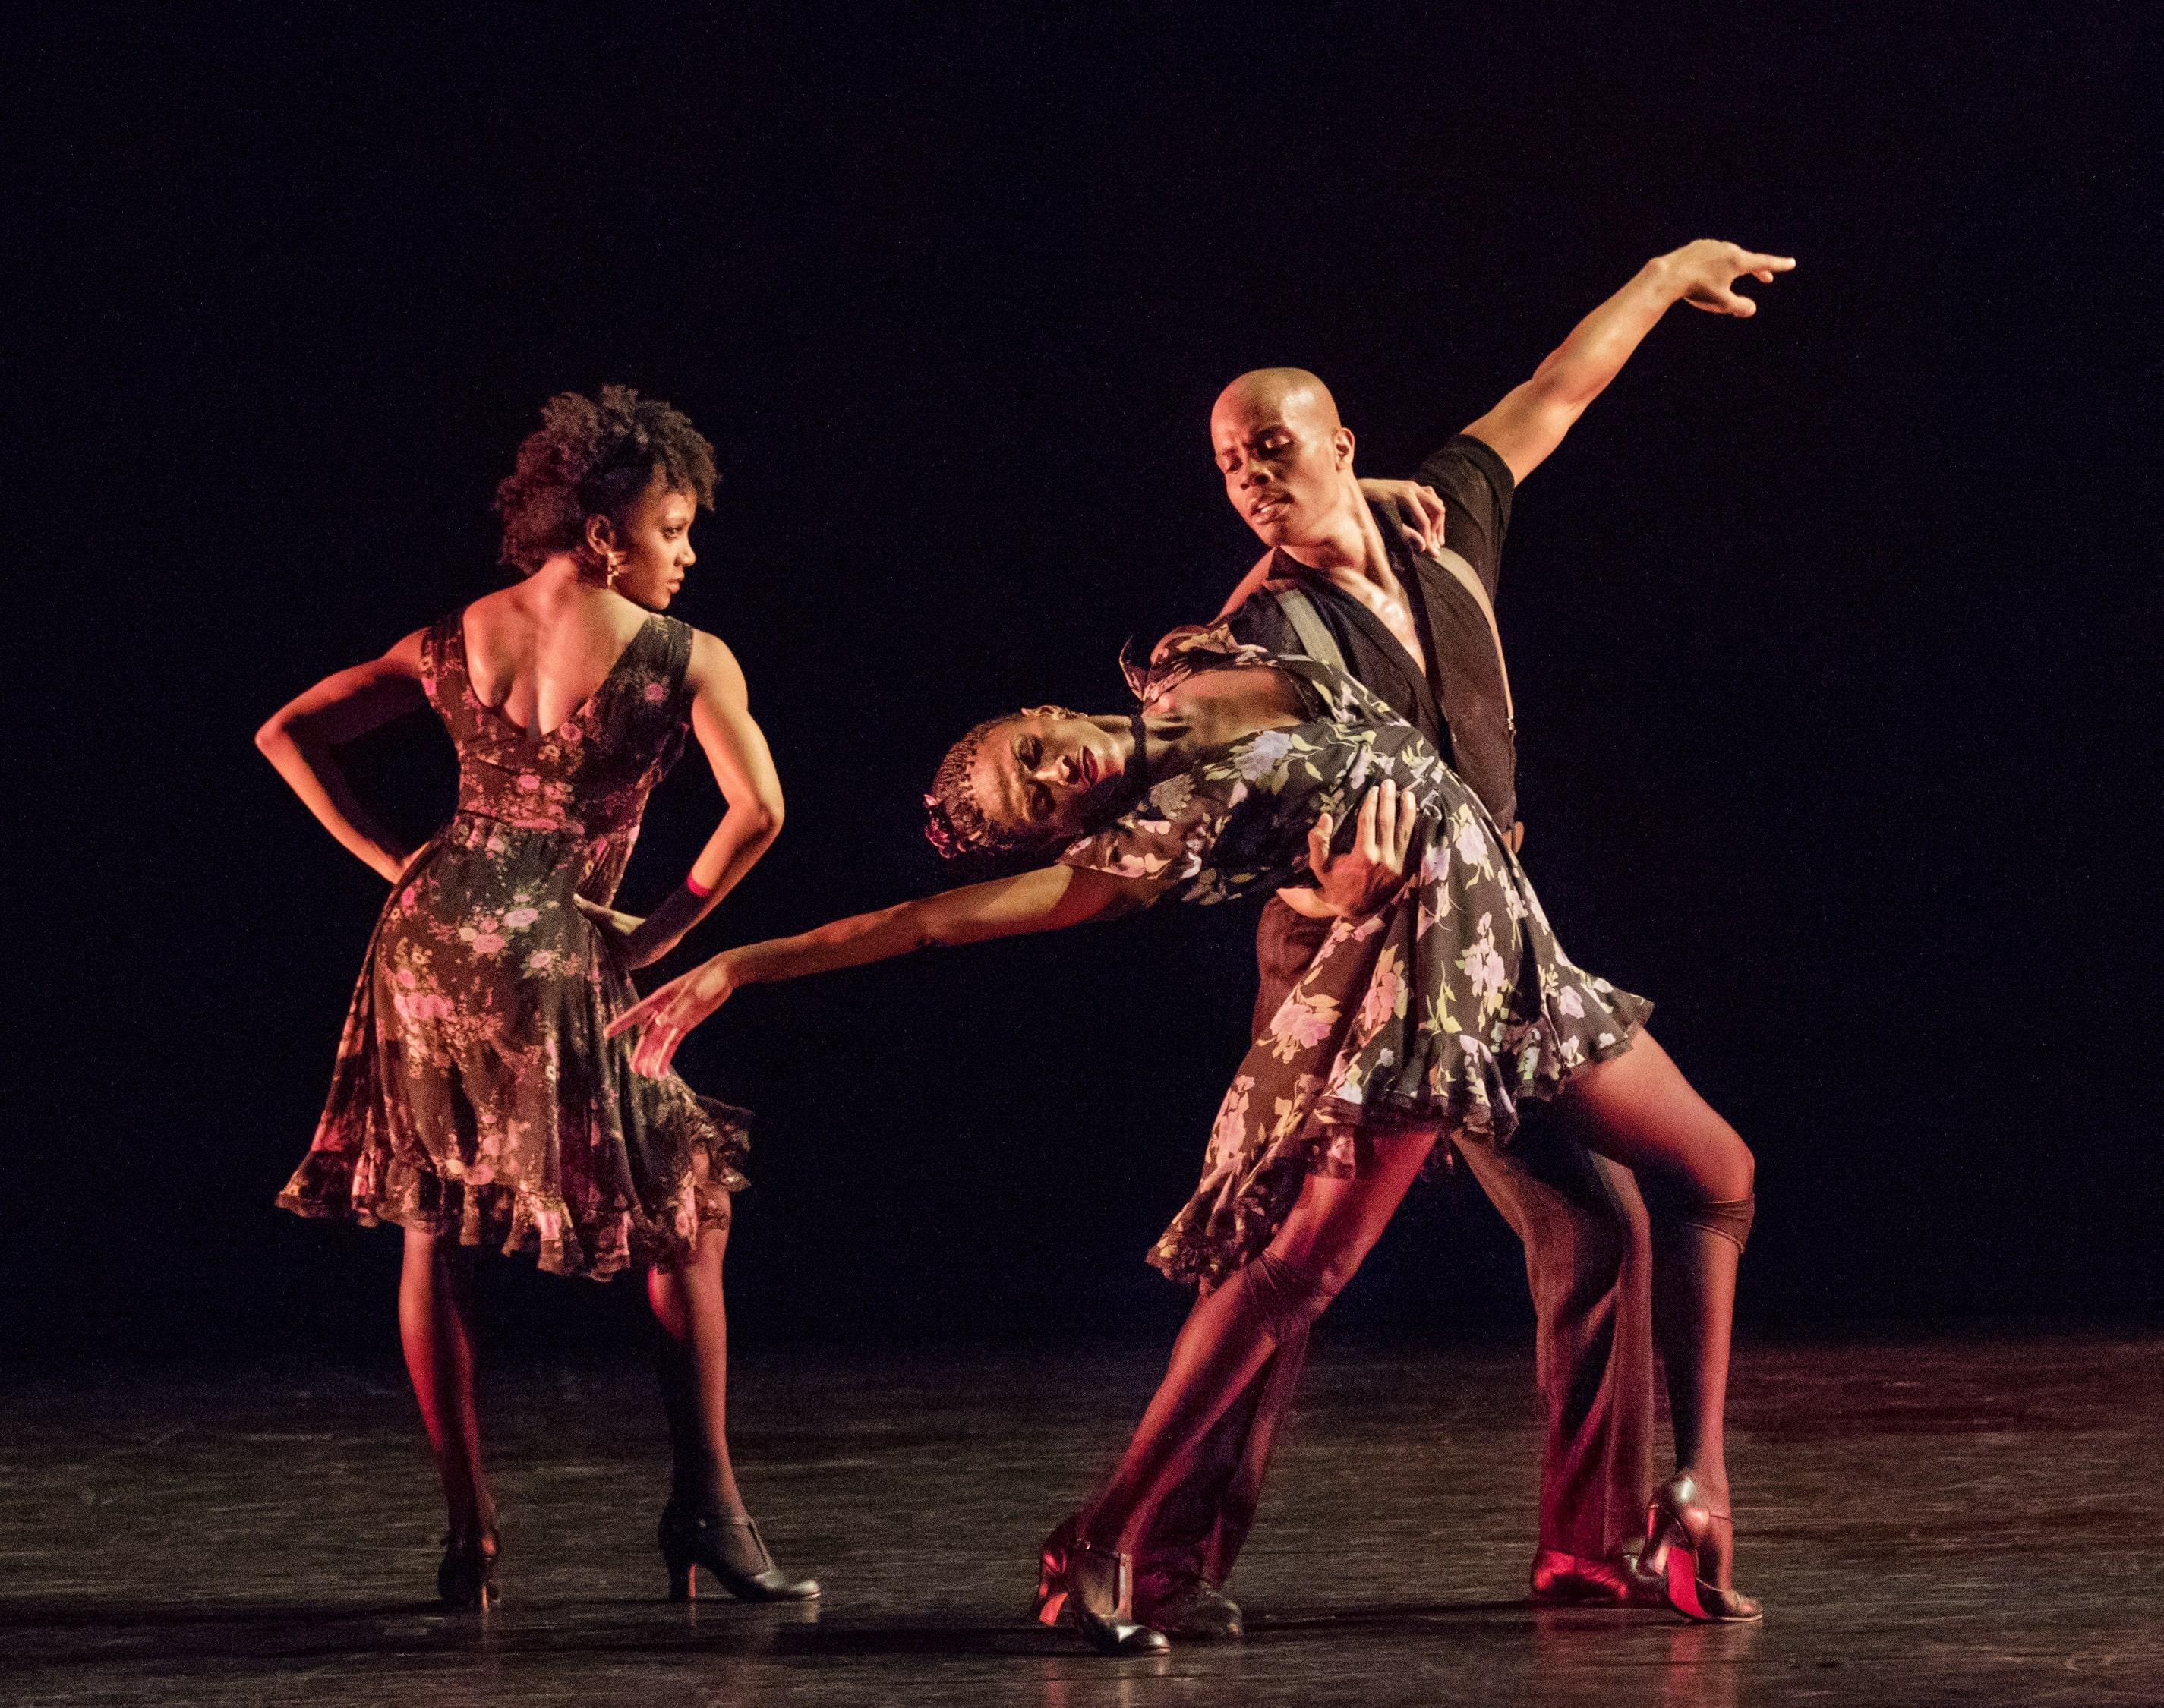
(572, 733)
(406, 901)
(528, 782)
(655, 694)
(518, 919)
(1301, 1024)
(1571, 1003)
(405, 977)
(487, 943)
(1482, 967)
(1470, 847)
(541, 961)
(1386, 994)
(1263, 753)
(1228, 1135)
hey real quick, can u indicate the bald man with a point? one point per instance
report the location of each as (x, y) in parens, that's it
(1409, 611)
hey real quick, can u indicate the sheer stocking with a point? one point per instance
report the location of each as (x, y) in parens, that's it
(1230, 1334)
(1698, 1177)
(435, 1329)
(693, 1365)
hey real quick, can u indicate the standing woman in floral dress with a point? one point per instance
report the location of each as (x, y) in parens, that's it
(475, 1098)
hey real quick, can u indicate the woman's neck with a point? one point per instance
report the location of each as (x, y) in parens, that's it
(1213, 710)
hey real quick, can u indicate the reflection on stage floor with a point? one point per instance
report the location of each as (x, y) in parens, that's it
(1961, 1522)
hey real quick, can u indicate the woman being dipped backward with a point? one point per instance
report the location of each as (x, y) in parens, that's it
(1439, 1002)
(476, 1098)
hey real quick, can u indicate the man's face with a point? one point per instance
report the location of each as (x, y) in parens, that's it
(1287, 463)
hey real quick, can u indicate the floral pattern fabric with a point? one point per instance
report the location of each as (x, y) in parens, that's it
(474, 1091)
(1446, 1008)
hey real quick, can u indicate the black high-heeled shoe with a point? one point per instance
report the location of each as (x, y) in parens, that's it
(733, 1551)
(1677, 1526)
(1094, 1588)
(466, 1578)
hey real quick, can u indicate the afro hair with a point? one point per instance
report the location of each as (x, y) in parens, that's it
(594, 456)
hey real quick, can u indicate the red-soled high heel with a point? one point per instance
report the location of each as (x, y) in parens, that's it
(1677, 1525)
(1051, 1576)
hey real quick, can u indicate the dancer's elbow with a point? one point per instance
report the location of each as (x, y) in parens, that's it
(274, 737)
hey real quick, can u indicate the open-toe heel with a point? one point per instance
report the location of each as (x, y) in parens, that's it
(1677, 1526)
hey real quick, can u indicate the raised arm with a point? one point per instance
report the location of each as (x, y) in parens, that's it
(300, 736)
(1531, 420)
(736, 748)
(1048, 899)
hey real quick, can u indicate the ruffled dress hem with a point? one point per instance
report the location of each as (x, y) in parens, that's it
(372, 1186)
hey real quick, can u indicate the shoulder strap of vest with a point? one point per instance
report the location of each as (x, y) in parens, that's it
(1466, 576)
(1315, 639)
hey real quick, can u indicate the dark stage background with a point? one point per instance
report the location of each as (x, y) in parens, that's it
(1825, 627)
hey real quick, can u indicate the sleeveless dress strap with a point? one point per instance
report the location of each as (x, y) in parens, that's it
(677, 670)
(444, 669)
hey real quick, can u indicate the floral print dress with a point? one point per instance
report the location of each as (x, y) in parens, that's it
(1446, 1008)
(473, 1093)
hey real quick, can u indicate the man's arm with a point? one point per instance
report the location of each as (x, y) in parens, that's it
(1531, 421)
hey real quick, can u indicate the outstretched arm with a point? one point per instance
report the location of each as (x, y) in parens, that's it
(301, 734)
(1048, 899)
(736, 748)
(1532, 421)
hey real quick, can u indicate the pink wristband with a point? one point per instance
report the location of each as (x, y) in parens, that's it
(701, 890)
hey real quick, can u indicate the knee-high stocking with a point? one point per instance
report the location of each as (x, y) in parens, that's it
(1697, 1176)
(1696, 1250)
(1229, 1335)
(1224, 1344)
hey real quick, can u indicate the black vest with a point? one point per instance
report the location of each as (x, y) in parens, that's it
(1466, 672)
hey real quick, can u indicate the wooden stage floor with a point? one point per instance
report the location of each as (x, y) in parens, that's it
(1964, 1521)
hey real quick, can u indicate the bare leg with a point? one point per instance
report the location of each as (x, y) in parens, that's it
(1643, 1113)
(688, 1304)
(1229, 1335)
(435, 1328)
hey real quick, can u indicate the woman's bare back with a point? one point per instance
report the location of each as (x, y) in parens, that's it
(539, 650)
